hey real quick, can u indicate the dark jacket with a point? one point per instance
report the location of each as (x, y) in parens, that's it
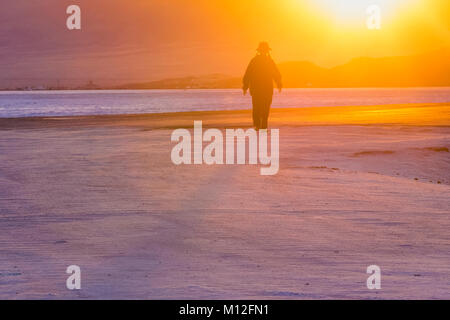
(260, 74)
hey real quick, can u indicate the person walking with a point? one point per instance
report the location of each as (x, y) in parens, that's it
(259, 77)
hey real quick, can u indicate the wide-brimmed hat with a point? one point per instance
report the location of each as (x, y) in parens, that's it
(263, 47)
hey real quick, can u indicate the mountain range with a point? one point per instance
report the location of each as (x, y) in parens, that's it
(429, 69)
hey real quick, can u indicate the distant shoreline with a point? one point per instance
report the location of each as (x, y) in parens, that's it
(419, 70)
(206, 88)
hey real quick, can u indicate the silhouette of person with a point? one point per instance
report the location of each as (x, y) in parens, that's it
(259, 77)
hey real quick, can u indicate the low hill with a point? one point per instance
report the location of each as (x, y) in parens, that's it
(430, 69)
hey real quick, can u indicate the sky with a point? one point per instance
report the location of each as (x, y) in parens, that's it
(125, 41)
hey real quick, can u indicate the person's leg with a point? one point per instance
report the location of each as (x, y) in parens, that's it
(256, 112)
(265, 112)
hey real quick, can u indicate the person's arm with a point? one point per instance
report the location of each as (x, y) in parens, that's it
(247, 76)
(277, 76)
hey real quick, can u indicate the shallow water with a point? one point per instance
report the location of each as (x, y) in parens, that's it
(67, 103)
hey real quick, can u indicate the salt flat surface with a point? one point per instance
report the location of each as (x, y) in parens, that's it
(110, 200)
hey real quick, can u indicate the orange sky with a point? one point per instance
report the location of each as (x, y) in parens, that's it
(137, 40)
